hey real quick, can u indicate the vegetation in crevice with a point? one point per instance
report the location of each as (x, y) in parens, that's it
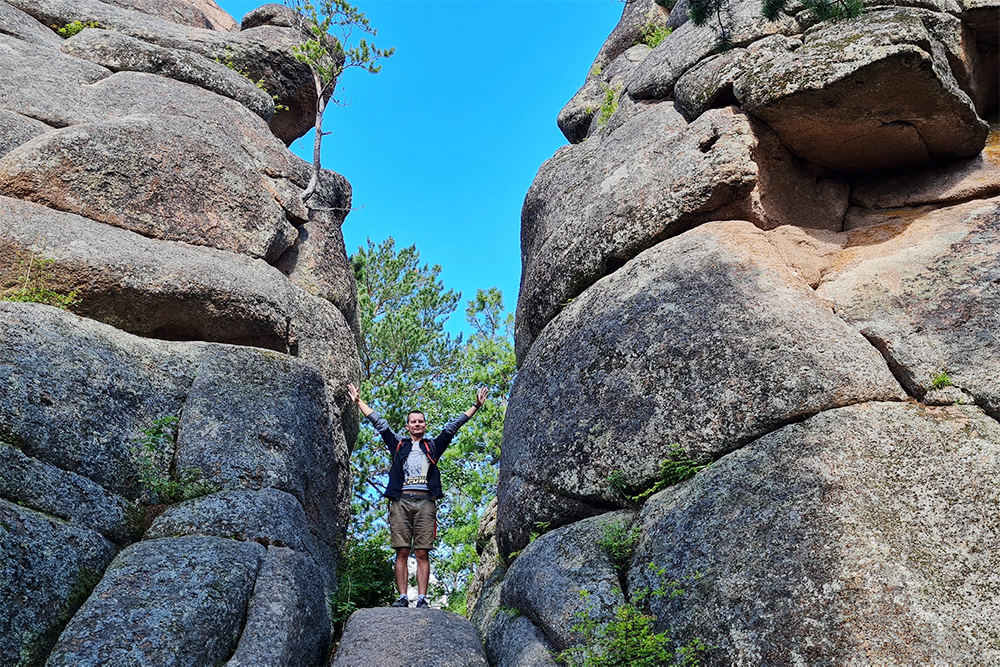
(75, 27)
(677, 468)
(609, 104)
(153, 455)
(652, 34)
(34, 286)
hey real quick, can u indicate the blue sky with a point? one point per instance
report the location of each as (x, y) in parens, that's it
(442, 145)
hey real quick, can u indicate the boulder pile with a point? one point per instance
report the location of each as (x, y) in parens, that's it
(145, 182)
(768, 256)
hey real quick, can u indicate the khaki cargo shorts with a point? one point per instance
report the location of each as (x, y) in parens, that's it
(412, 522)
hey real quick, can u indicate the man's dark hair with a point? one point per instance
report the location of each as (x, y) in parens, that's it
(419, 412)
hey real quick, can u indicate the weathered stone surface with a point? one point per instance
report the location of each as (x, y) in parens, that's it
(287, 623)
(594, 206)
(867, 534)
(165, 602)
(688, 44)
(862, 94)
(194, 13)
(120, 52)
(952, 181)
(269, 517)
(20, 25)
(47, 568)
(255, 419)
(514, 641)
(679, 14)
(636, 16)
(489, 556)
(393, 637)
(16, 129)
(924, 290)
(43, 83)
(581, 115)
(546, 580)
(76, 394)
(263, 52)
(272, 13)
(214, 178)
(66, 496)
(707, 341)
(709, 84)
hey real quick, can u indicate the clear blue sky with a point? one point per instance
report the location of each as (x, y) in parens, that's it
(442, 145)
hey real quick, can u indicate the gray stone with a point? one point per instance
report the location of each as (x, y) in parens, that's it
(952, 181)
(594, 206)
(76, 394)
(263, 52)
(164, 174)
(865, 535)
(546, 582)
(120, 52)
(194, 13)
(636, 15)
(924, 291)
(489, 557)
(580, 117)
(255, 419)
(688, 44)
(16, 129)
(514, 641)
(47, 570)
(862, 94)
(43, 83)
(67, 496)
(175, 291)
(393, 637)
(679, 14)
(20, 25)
(269, 517)
(165, 602)
(287, 623)
(707, 341)
(709, 84)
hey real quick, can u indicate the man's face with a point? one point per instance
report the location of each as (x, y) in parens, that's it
(416, 425)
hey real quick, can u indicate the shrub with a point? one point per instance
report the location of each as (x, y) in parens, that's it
(618, 540)
(154, 453)
(941, 380)
(652, 34)
(75, 27)
(33, 285)
(675, 469)
(366, 578)
(608, 106)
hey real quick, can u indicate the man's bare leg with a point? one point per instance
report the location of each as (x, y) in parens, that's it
(403, 572)
(423, 569)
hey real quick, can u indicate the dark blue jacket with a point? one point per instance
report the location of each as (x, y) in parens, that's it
(399, 449)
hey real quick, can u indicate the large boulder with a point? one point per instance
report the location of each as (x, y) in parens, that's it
(194, 13)
(16, 129)
(265, 52)
(120, 52)
(564, 577)
(67, 496)
(22, 26)
(287, 624)
(706, 341)
(862, 94)
(866, 534)
(594, 206)
(171, 162)
(392, 637)
(176, 601)
(926, 296)
(47, 569)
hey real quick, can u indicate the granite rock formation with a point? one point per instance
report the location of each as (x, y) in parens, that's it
(775, 256)
(151, 183)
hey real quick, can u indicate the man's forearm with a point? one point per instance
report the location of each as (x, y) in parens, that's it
(471, 411)
(365, 410)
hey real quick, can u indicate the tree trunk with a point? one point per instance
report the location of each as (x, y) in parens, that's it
(317, 139)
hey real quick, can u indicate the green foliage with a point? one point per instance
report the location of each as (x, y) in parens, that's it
(153, 454)
(652, 34)
(941, 380)
(674, 470)
(820, 10)
(409, 361)
(595, 70)
(365, 577)
(618, 540)
(74, 27)
(33, 284)
(608, 107)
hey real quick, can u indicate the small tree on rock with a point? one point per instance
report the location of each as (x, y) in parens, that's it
(328, 48)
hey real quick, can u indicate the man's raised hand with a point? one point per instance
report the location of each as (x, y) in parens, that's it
(481, 396)
(353, 392)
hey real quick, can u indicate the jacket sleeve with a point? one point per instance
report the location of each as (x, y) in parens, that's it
(389, 437)
(448, 433)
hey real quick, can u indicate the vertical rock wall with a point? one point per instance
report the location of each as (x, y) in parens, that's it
(153, 182)
(777, 255)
